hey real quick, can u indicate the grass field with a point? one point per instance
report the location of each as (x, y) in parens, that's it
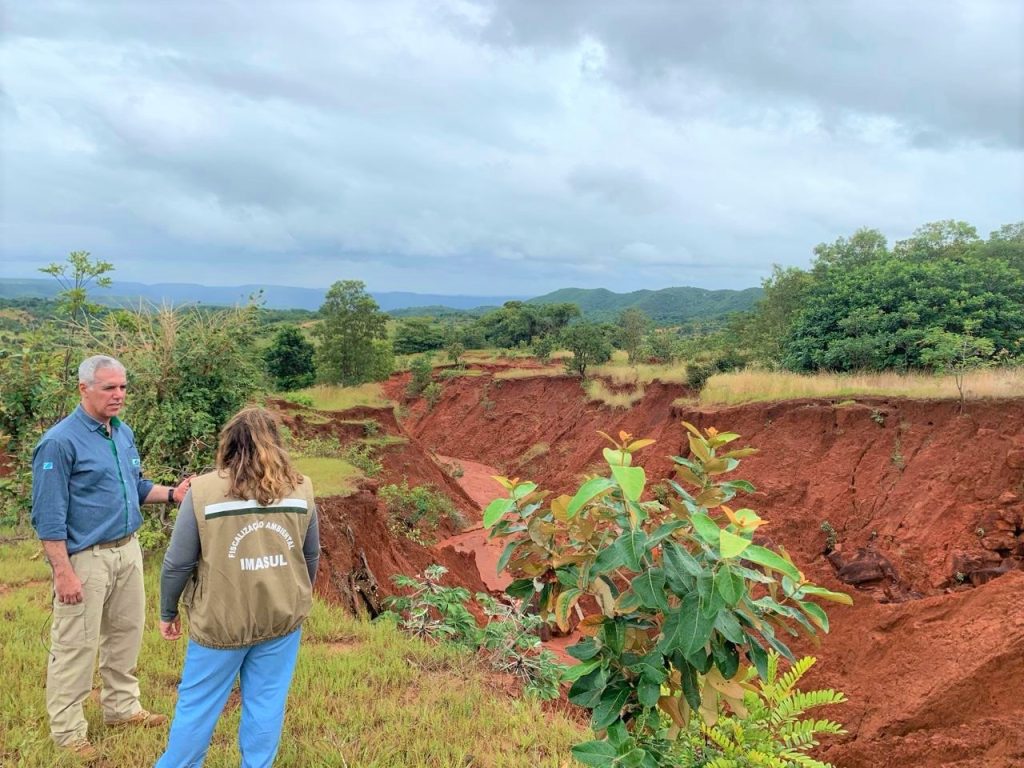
(364, 695)
(328, 398)
(330, 476)
(753, 385)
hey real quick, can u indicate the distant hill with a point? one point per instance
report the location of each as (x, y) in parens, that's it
(666, 307)
(274, 296)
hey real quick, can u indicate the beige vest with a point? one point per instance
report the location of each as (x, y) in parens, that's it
(251, 583)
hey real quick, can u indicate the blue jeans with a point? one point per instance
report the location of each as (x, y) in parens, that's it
(265, 674)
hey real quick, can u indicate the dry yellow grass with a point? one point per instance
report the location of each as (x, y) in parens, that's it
(642, 373)
(597, 391)
(529, 373)
(756, 385)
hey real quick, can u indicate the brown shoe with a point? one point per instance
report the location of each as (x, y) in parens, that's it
(83, 750)
(141, 719)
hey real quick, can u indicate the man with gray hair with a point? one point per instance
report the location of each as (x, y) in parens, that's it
(87, 487)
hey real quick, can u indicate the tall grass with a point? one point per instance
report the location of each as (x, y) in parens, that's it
(332, 398)
(530, 373)
(641, 373)
(364, 696)
(753, 385)
(598, 392)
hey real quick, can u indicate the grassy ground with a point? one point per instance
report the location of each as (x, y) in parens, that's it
(330, 476)
(364, 696)
(754, 385)
(328, 398)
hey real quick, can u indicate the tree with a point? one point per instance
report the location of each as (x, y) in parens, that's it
(352, 336)
(589, 345)
(74, 277)
(289, 359)
(632, 325)
(417, 334)
(956, 354)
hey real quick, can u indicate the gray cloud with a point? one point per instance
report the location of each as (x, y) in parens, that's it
(491, 147)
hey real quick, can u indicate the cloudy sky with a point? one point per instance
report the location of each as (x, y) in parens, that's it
(498, 147)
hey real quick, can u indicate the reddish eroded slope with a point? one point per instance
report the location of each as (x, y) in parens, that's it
(359, 552)
(929, 519)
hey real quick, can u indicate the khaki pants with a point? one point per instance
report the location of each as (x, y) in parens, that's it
(109, 619)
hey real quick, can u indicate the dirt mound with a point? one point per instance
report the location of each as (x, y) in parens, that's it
(914, 508)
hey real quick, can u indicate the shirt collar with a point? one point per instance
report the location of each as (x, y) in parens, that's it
(91, 424)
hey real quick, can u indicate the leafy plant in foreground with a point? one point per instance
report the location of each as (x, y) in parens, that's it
(687, 601)
(508, 642)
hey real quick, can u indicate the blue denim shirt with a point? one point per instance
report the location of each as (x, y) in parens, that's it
(87, 487)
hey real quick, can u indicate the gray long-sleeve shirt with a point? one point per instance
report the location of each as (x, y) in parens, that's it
(183, 553)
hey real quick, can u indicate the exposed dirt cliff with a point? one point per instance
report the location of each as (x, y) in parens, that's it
(925, 527)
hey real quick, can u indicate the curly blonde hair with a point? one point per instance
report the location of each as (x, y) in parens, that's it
(253, 458)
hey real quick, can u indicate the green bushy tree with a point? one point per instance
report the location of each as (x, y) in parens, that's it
(289, 359)
(589, 345)
(353, 346)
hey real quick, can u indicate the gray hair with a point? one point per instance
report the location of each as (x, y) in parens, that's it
(87, 370)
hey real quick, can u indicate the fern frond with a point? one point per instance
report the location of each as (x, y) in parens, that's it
(805, 761)
(798, 702)
(793, 675)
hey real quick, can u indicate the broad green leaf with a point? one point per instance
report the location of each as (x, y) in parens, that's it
(617, 734)
(599, 754)
(688, 677)
(576, 671)
(496, 510)
(817, 614)
(769, 559)
(631, 480)
(663, 531)
(587, 690)
(617, 458)
(584, 650)
(610, 707)
(728, 586)
(521, 588)
(731, 545)
(706, 528)
(609, 558)
(727, 624)
(649, 586)
(634, 547)
(648, 693)
(686, 628)
(506, 555)
(589, 491)
(613, 635)
(523, 489)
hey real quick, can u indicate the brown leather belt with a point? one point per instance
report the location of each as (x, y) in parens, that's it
(115, 543)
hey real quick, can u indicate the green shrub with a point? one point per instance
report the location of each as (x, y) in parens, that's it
(687, 603)
(422, 370)
(415, 512)
(361, 455)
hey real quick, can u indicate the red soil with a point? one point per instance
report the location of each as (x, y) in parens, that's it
(929, 519)
(927, 506)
